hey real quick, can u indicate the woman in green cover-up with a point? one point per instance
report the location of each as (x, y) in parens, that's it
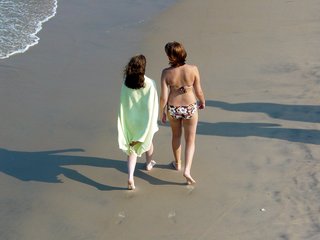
(138, 114)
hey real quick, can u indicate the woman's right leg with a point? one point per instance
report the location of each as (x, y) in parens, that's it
(176, 128)
(149, 158)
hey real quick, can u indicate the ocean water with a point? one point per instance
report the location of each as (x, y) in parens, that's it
(21, 20)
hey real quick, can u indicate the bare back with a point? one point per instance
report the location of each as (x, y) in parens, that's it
(181, 81)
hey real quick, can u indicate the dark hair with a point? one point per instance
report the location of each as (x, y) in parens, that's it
(134, 72)
(176, 53)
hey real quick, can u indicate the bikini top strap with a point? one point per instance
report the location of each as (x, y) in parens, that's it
(183, 89)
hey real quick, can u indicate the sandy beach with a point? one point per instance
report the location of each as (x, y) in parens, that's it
(256, 164)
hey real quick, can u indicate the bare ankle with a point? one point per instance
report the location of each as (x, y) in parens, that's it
(177, 165)
(150, 165)
(131, 185)
(189, 179)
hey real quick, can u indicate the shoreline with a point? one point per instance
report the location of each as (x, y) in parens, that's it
(34, 34)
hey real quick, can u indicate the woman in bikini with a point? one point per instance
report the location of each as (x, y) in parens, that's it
(180, 91)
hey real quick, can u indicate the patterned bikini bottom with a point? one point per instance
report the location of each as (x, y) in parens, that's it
(182, 112)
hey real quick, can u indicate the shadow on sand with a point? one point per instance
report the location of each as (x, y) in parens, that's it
(46, 166)
(305, 113)
(302, 113)
(266, 130)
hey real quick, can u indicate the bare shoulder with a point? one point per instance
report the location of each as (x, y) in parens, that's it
(166, 72)
(191, 67)
(167, 69)
(194, 67)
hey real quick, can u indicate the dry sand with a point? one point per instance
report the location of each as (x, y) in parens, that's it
(256, 162)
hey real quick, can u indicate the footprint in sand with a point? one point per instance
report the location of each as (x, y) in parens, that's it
(172, 216)
(129, 194)
(120, 218)
(190, 189)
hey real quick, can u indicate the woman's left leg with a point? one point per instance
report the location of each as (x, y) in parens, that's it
(132, 160)
(190, 128)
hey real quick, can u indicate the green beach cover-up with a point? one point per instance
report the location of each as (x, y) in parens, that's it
(137, 118)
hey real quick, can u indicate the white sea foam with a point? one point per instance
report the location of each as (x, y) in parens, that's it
(20, 21)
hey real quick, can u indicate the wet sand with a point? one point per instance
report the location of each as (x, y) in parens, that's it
(257, 156)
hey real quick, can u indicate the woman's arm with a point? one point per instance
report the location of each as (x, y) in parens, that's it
(163, 97)
(198, 89)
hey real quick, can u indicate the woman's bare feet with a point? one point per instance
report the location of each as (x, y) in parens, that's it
(176, 165)
(150, 165)
(131, 185)
(190, 180)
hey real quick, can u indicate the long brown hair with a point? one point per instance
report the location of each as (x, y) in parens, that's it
(134, 72)
(176, 53)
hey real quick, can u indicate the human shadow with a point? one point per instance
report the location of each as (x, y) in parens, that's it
(46, 166)
(303, 113)
(266, 130)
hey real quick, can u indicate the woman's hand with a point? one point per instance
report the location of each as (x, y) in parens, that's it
(202, 106)
(164, 118)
